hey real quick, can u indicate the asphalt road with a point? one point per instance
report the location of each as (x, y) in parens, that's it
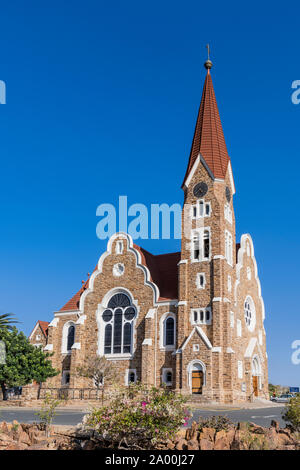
(261, 416)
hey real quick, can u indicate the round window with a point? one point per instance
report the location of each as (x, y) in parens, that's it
(107, 315)
(249, 313)
(129, 313)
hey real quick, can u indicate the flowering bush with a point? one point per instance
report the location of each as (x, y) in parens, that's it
(140, 415)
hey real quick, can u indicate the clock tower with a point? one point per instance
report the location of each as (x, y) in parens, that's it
(206, 268)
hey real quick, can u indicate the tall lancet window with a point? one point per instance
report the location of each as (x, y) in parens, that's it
(118, 319)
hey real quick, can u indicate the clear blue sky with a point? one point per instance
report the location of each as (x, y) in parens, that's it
(102, 100)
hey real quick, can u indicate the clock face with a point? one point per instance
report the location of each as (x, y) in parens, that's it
(228, 194)
(200, 189)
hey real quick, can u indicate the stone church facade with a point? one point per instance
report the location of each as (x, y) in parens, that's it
(192, 320)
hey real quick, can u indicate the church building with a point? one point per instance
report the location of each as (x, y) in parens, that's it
(192, 320)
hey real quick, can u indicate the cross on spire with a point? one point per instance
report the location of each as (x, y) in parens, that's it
(208, 64)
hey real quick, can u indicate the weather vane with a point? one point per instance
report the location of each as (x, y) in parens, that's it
(208, 63)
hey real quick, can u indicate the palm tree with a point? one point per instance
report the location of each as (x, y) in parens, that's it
(7, 321)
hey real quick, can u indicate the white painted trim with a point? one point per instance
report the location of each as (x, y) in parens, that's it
(230, 351)
(250, 347)
(217, 299)
(190, 369)
(48, 347)
(81, 320)
(64, 342)
(196, 329)
(216, 349)
(229, 169)
(183, 261)
(101, 324)
(147, 342)
(162, 332)
(150, 313)
(67, 312)
(182, 302)
(139, 265)
(126, 378)
(243, 251)
(76, 346)
(54, 322)
(199, 159)
(219, 257)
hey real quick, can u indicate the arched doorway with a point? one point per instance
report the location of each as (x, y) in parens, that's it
(196, 377)
(256, 375)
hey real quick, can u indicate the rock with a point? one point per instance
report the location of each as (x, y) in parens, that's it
(88, 445)
(181, 444)
(275, 424)
(4, 428)
(224, 439)
(192, 433)
(240, 441)
(271, 438)
(208, 433)
(17, 446)
(255, 428)
(24, 438)
(41, 446)
(192, 444)
(206, 444)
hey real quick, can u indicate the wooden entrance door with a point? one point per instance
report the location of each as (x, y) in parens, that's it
(197, 381)
(255, 385)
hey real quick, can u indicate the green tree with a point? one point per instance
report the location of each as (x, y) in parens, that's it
(24, 363)
(291, 413)
(6, 321)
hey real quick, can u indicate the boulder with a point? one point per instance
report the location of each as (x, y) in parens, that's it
(206, 444)
(192, 444)
(181, 444)
(208, 433)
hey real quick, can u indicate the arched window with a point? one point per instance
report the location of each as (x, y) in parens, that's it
(167, 331)
(131, 377)
(118, 318)
(249, 313)
(71, 337)
(68, 337)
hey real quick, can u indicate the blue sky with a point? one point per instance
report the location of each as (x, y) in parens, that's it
(102, 100)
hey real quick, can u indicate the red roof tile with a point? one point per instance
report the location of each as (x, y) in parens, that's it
(163, 272)
(208, 138)
(44, 327)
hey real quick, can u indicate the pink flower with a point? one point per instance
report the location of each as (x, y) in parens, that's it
(144, 404)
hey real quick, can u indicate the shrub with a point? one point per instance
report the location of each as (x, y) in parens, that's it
(48, 412)
(219, 423)
(292, 413)
(139, 416)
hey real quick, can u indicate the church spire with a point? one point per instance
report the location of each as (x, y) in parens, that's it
(208, 138)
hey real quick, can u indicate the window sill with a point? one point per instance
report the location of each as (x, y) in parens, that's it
(118, 356)
(167, 348)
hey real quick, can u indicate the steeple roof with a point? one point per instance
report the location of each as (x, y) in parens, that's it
(208, 138)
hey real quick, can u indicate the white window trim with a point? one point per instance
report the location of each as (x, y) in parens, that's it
(229, 247)
(240, 368)
(101, 324)
(119, 247)
(197, 207)
(198, 284)
(198, 310)
(250, 301)
(65, 330)
(162, 332)
(164, 375)
(199, 232)
(228, 213)
(239, 328)
(229, 283)
(127, 373)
